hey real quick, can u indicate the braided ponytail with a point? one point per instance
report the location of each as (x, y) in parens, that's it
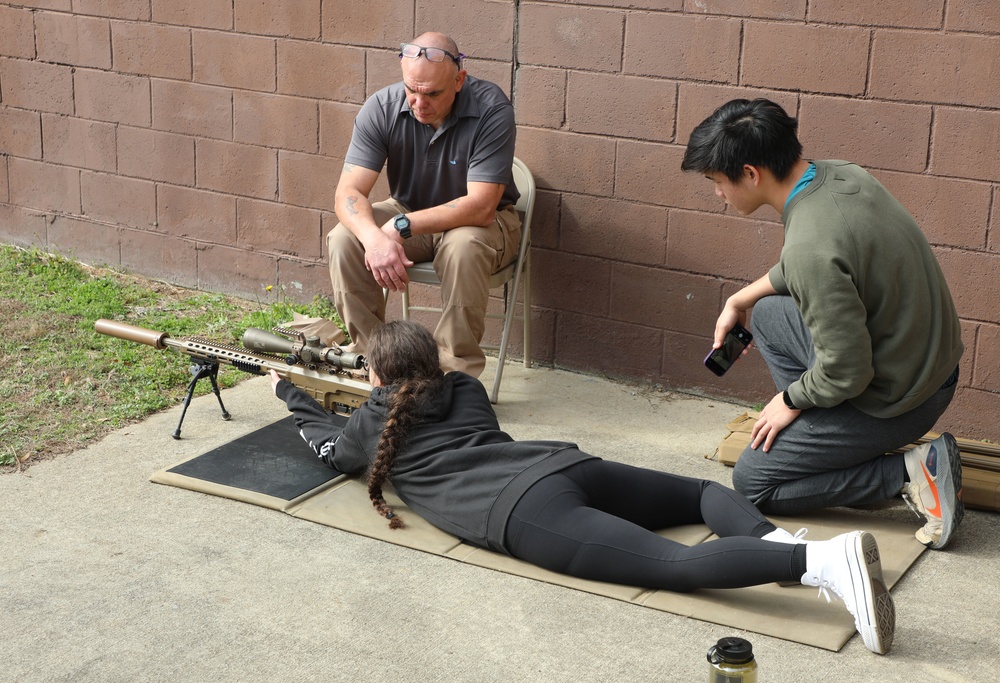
(404, 356)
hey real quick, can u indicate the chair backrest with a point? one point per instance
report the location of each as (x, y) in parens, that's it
(525, 183)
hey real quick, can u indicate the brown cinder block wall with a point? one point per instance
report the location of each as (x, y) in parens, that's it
(199, 142)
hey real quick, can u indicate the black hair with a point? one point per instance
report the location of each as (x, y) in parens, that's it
(755, 132)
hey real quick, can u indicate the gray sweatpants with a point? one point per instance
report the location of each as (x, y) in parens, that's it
(827, 456)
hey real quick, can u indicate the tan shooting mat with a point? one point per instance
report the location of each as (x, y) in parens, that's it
(794, 613)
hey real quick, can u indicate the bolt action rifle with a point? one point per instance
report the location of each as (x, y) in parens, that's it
(320, 371)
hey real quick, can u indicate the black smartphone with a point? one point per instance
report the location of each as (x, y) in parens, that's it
(720, 359)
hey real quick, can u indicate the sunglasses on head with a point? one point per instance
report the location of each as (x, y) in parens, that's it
(431, 54)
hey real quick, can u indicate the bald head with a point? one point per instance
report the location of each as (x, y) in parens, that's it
(435, 39)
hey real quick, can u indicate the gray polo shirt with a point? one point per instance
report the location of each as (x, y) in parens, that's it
(427, 167)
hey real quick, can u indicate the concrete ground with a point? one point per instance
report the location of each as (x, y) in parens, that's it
(107, 577)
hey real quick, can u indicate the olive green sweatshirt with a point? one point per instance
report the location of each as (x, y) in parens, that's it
(871, 292)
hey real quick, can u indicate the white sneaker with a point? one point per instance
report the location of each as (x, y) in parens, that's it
(849, 567)
(934, 491)
(779, 535)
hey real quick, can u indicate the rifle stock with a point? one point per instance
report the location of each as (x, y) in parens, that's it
(326, 382)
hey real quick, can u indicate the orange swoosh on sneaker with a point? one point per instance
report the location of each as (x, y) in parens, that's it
(936, 510)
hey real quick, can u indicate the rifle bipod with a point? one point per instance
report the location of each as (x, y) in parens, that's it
(201, 367)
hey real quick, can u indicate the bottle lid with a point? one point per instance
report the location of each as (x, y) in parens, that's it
(734, 650)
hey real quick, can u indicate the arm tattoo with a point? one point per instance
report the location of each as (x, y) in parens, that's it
(349, 167)
(351, 201)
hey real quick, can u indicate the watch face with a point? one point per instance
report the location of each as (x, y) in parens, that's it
(402, 224)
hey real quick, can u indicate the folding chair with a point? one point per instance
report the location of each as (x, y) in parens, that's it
(509, 277)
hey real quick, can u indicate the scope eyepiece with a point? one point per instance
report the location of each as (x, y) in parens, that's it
(343, 359)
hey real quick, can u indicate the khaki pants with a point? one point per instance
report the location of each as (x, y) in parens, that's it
(464, 259)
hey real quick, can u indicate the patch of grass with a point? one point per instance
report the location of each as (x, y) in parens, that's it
(63, 385)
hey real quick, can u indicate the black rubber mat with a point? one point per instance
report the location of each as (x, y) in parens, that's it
(273, 461)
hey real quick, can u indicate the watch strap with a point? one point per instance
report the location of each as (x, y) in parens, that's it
(788, 400)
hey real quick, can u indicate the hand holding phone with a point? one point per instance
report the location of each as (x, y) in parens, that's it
(737, 339)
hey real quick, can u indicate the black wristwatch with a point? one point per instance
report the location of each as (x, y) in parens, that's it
(788, 400)
(402, 225)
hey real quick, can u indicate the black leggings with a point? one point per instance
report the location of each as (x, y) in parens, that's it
(595, 520)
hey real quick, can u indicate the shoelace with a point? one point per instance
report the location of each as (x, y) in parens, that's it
(909, 492)
(800, 534)
(826, 588)
(908, 499)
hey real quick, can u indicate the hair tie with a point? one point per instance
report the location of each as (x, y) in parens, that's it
(389, 515)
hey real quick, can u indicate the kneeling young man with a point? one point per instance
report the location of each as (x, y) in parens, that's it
(855, 322)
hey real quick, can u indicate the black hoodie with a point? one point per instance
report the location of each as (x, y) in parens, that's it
(457, 470)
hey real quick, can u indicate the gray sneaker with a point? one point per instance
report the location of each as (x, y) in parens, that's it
(934, 491)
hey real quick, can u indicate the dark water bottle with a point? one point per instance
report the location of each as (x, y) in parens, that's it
(731, 661)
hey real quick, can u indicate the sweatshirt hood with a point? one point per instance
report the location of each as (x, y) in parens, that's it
(431, 408)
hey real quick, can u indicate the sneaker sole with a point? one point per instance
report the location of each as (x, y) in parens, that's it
(885, 623)
(949, 483)
(876, 612)
(873, 559)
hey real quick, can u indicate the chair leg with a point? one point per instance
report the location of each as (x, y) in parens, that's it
(526, 309)
(406, 302)
(510, 306)
(501, 358)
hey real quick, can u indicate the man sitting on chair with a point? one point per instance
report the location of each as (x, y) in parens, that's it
(447, 140)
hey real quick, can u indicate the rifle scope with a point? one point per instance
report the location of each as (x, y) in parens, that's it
(309, 351)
